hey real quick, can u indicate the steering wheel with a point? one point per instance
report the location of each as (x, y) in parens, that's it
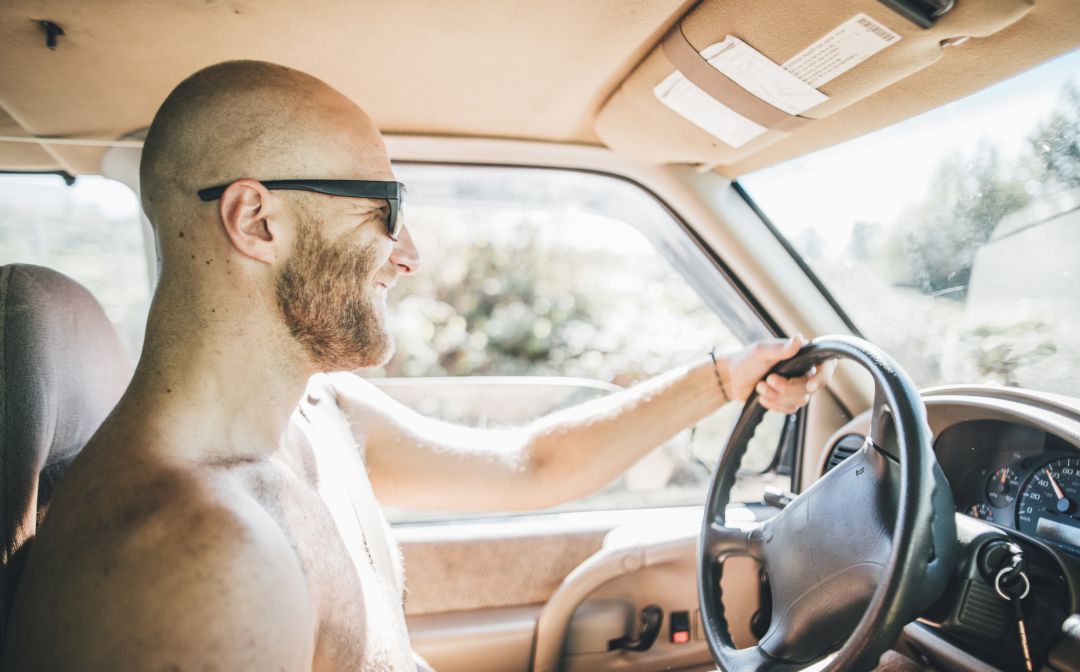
(857, 555)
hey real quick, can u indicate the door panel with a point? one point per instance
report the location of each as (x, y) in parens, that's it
(466, 575)
(475, 591)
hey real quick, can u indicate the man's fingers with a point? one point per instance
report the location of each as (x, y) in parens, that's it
(783, 385)
(815, 379)
(779, 349)
(776, 392)
(786, 409)
(772, 400)
(787, 395)
(821, 377)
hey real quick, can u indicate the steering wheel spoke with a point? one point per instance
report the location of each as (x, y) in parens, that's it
(880, 422)
(753, 658)
(721, 542)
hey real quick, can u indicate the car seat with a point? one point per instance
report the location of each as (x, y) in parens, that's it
(62, 369)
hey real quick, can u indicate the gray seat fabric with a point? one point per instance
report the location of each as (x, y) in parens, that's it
(62, 370)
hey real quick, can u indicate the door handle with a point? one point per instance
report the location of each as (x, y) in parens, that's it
(652, 617)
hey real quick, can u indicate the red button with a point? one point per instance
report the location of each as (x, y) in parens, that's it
(680, 636)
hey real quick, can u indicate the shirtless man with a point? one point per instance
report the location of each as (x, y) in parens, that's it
(222, 517)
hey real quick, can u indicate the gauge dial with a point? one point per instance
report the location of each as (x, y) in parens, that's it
(981, 510)
(1050, 503)
(1002, 486)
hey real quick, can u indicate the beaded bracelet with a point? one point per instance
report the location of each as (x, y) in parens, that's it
(719, 380)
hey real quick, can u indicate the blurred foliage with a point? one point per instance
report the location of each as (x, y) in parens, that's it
(488, 313)
(969, 195)
(1056, 141)
(934, 248)
(527, 301)
(82, 232)
(1001, 352)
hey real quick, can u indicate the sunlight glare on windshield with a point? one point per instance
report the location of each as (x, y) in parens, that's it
(950, 238)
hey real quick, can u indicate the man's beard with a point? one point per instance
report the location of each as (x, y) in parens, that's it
(327, 297)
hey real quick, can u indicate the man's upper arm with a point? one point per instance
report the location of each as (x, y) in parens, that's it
(211, 587)
(418, 462)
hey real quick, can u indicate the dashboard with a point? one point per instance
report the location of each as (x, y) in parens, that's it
(1012, 460)
(1011, 456)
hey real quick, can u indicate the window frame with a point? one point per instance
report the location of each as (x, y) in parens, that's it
(769, 325)
(716, 302)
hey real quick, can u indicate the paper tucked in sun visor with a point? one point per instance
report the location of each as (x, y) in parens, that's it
(756, 76)
(846, 46)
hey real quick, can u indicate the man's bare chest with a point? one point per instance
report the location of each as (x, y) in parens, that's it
(353, 568)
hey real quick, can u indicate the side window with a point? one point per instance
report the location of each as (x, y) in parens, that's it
(540, 289)
(91, 231)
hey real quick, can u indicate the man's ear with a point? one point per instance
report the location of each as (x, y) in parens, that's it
(249, 213)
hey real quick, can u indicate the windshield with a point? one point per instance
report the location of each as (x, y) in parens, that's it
(951, 239)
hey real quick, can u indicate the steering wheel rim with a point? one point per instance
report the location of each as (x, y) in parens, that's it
(909, 561)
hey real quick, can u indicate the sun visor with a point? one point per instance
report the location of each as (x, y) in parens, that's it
(735, 76)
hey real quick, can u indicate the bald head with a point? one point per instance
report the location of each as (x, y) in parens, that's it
(312, 269)
(251, 119)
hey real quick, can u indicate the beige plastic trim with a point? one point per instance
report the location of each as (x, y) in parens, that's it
(976, 403)
(647, 562)
(491, 640)
(604, 566)
(74, 142)
(1054, 402)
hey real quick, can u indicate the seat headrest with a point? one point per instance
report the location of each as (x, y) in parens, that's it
(62, 369)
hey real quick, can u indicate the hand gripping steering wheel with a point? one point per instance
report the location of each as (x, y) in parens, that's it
(853, 558)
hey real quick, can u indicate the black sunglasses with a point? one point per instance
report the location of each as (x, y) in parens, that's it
(391, 192)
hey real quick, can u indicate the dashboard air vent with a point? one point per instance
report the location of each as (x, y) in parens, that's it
(846, 447)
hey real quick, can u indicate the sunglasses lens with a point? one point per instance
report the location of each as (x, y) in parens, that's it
(397, 220)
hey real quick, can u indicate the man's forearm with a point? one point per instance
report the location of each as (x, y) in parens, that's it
(421, 463)
(577, 451)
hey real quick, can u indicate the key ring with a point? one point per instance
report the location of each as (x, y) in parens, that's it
(997, 585)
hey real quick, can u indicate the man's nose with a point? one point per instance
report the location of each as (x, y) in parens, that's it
(405, 255)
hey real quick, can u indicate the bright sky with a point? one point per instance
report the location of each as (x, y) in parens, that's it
(873, 178)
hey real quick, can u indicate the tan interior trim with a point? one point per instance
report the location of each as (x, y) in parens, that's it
(605, 566)
(415, 66)
(686, 58)
(30, 156)
(445, 576)
(945, 409)
(490, 640)
(74, 142)
(570, 76)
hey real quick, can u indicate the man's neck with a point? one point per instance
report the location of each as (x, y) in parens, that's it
(217, 381)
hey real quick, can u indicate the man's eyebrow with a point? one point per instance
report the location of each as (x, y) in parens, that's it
(368, 204)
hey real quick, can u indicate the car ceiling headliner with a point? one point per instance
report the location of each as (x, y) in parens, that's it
(488, 68)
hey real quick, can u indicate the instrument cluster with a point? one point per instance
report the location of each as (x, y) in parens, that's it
(1015, 476)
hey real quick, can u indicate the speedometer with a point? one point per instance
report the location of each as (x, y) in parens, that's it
(1049, 505)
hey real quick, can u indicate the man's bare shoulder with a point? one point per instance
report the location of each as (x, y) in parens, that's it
(170, 569)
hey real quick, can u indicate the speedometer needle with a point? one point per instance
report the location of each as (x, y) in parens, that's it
(1053, 483)
(1063, 502)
